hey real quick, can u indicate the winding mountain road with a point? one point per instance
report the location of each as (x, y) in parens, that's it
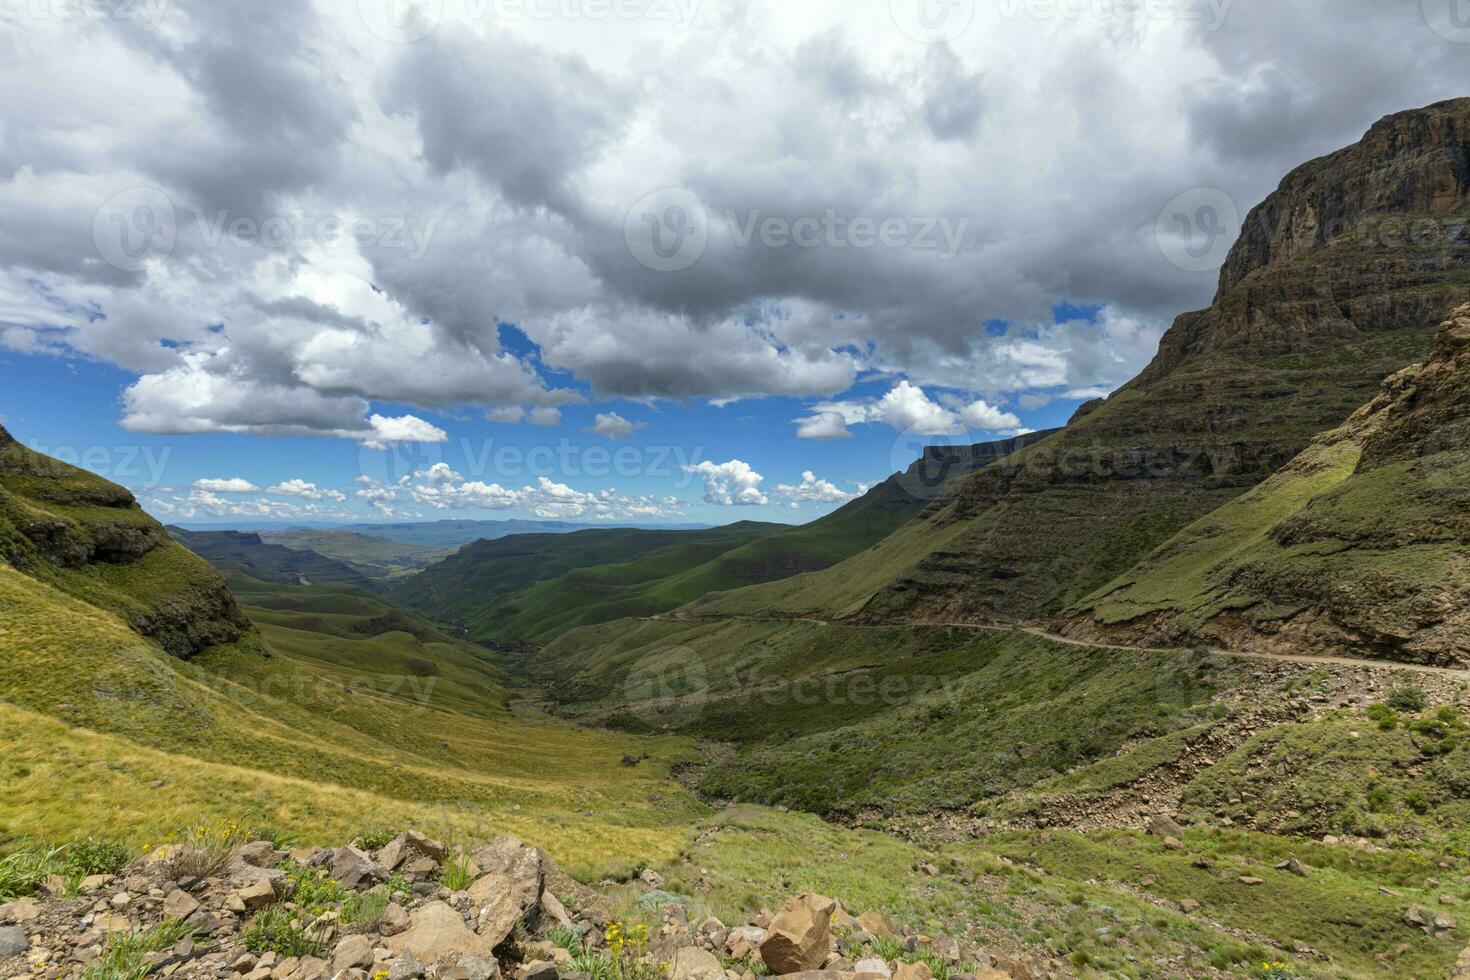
(1394, 665)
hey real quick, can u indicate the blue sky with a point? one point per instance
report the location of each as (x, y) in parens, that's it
(70, 407)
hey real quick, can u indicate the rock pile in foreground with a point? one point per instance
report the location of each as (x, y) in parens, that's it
(260, 913)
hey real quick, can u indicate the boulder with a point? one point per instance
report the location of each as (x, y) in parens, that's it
(394, 920)
(179, 904)
(800, 936)
(354, 869)
(409, 846)
(913, 971)
(20, 910)
(352, 953)
(257, 896)
(693, 963)
(13, 942)
(480, 968)
(539, 970)
(260, 854)
(406, 967)
(437, 934)
(874, 967)
(554, 912)
(507, 895)
(874, 923)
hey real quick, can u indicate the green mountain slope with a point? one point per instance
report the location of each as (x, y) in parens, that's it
(373, 556)
(1326, 293)
(526, 587)
(1358, 546)
(335, 713)
(77, 533)
(247, 552)
(532, 588)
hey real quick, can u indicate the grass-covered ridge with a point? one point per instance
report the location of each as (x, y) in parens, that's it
(88, 537)
(1357, 546)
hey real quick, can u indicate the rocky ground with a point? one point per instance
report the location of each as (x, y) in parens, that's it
(414, 909)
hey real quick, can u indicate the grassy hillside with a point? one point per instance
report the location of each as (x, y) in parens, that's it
(375, 557)
(249, 553)
(902, 719)
(329, 728)
(1357, 546)
(528, 587)
(88, 538)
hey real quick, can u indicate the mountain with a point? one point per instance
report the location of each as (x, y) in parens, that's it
(373, 556)
(1357, 546)
(457, 534)
(1338, 280)
(528, 588)
(248, 553)
(525, 587)
(80, 535)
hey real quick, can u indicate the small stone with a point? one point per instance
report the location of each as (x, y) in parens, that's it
(540, 970)
(406, 967)
(1251, 881)
(1173, 844)
(913, 971)
(1189, 906)
(874, 967)
(693, 963)
(179, 904)
(120, 901)
(394, 921)
(255, 897)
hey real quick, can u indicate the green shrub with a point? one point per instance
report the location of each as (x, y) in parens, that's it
(374, 839)
(1408, 697)
(276, 930)
(88, 856)
(364, 910)
(455, 875)
(122, 958)
(205, 850)
(1387, 718)
(313, 889)
(21, 870)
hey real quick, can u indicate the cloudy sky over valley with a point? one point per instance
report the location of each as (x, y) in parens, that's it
(628, 260)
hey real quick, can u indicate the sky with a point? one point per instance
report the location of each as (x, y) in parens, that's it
(652, 261)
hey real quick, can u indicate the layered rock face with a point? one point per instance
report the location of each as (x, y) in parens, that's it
(1357, 547)
(89, 538)
(1338, 281)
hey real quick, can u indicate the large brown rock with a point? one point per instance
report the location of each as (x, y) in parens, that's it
(510, 891)
(437, 934)
(800, 937)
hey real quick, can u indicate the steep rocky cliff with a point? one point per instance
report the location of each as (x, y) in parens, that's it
(1359, 546)
(1338, 281)
(89, 538)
